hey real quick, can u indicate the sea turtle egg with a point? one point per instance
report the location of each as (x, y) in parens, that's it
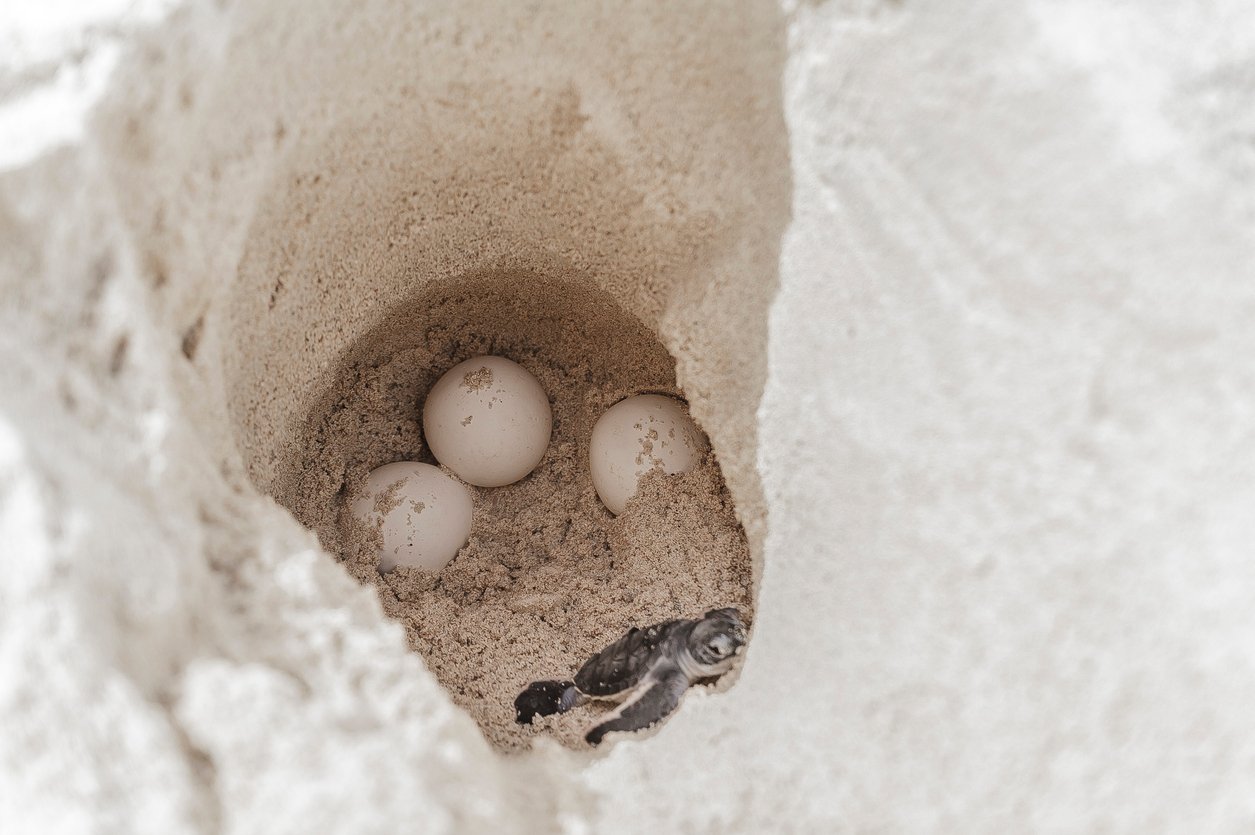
(488, 420)
(422, 514)
(634, 436)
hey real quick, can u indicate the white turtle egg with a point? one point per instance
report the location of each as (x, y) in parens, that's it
(634, 436)
(423, 515)
(488, 420)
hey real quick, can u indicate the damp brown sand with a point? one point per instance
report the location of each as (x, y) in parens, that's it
(549, 576)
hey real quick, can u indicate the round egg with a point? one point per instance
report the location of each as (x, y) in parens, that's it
(634, 436)
(488, 420)
(423, 515)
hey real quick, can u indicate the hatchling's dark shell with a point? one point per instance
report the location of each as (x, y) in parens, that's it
(621, 666)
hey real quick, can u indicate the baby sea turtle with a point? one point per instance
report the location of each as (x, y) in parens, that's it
(646, 671)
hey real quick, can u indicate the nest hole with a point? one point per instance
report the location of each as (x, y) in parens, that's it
(549, 576)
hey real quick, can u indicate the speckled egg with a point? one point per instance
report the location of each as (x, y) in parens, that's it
(634, 436)
(422, 514)
(488, 420)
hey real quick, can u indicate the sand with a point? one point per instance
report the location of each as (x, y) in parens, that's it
(549, 575)
(959, 291)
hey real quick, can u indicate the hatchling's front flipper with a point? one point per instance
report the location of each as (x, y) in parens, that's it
(658, 695)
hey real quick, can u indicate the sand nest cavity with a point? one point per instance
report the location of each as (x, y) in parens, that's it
(549, 575)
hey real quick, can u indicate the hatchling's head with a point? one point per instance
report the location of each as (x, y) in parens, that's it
(717, 639)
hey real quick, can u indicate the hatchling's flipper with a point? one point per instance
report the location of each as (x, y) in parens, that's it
(543, 698)
(658, 697)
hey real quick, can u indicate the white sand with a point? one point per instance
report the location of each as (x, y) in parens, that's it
(999, 485)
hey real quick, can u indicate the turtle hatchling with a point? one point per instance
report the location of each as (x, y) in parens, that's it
(646, 671)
